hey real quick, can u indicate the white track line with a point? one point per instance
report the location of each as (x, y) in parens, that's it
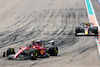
(98, 45)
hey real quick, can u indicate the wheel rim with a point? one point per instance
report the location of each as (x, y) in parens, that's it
(56, 50)
(34, 54)
(11, 50)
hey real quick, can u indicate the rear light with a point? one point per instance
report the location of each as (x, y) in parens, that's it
(33, 46)
(42, 52)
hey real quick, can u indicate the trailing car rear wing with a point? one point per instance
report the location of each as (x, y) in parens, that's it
(52, 41)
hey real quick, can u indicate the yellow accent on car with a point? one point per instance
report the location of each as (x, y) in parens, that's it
(55, 50)
(86, 32)
(11, 50)
(20, 50)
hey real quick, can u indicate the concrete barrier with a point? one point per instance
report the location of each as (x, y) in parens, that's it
(98, 1)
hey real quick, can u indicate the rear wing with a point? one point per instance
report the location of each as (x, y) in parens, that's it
(49, 42)
(87, 23)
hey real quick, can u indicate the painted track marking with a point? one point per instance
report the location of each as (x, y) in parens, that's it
(92, 19)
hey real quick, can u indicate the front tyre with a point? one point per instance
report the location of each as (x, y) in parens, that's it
(33, 54)
(10, 51)
(53, 51)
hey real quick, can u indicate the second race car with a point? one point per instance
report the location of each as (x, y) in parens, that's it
(86, 30)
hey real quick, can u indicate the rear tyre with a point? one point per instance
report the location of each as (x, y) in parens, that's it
(78, 29)
(53, 51)
(33, 54)
(96, 33)
(10, 51)
(95, 30)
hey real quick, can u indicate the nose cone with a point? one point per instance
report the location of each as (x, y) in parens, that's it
(86, 32)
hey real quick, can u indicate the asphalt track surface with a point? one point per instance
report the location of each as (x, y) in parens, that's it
(96, 7)
(24, 20)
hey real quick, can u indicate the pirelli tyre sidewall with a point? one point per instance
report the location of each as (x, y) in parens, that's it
(33, 54)
(53, 50)
(10, 51)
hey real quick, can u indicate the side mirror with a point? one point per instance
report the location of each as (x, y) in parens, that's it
(53, 43)
(3, 54)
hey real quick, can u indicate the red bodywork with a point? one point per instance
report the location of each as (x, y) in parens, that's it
(41, 48)
(20, 51)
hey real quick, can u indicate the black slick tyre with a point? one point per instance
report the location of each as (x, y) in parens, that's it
(33, 54)
(10, 51)
(53, 51)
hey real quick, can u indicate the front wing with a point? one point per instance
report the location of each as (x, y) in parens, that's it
(83, 34)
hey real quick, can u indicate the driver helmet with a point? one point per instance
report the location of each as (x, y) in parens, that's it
(86, 23)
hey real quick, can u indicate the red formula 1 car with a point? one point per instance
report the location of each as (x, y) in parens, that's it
(87, 30)
(33, 50)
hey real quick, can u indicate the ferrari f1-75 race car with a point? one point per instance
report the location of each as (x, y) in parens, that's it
(33, 50)
(87, 30)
